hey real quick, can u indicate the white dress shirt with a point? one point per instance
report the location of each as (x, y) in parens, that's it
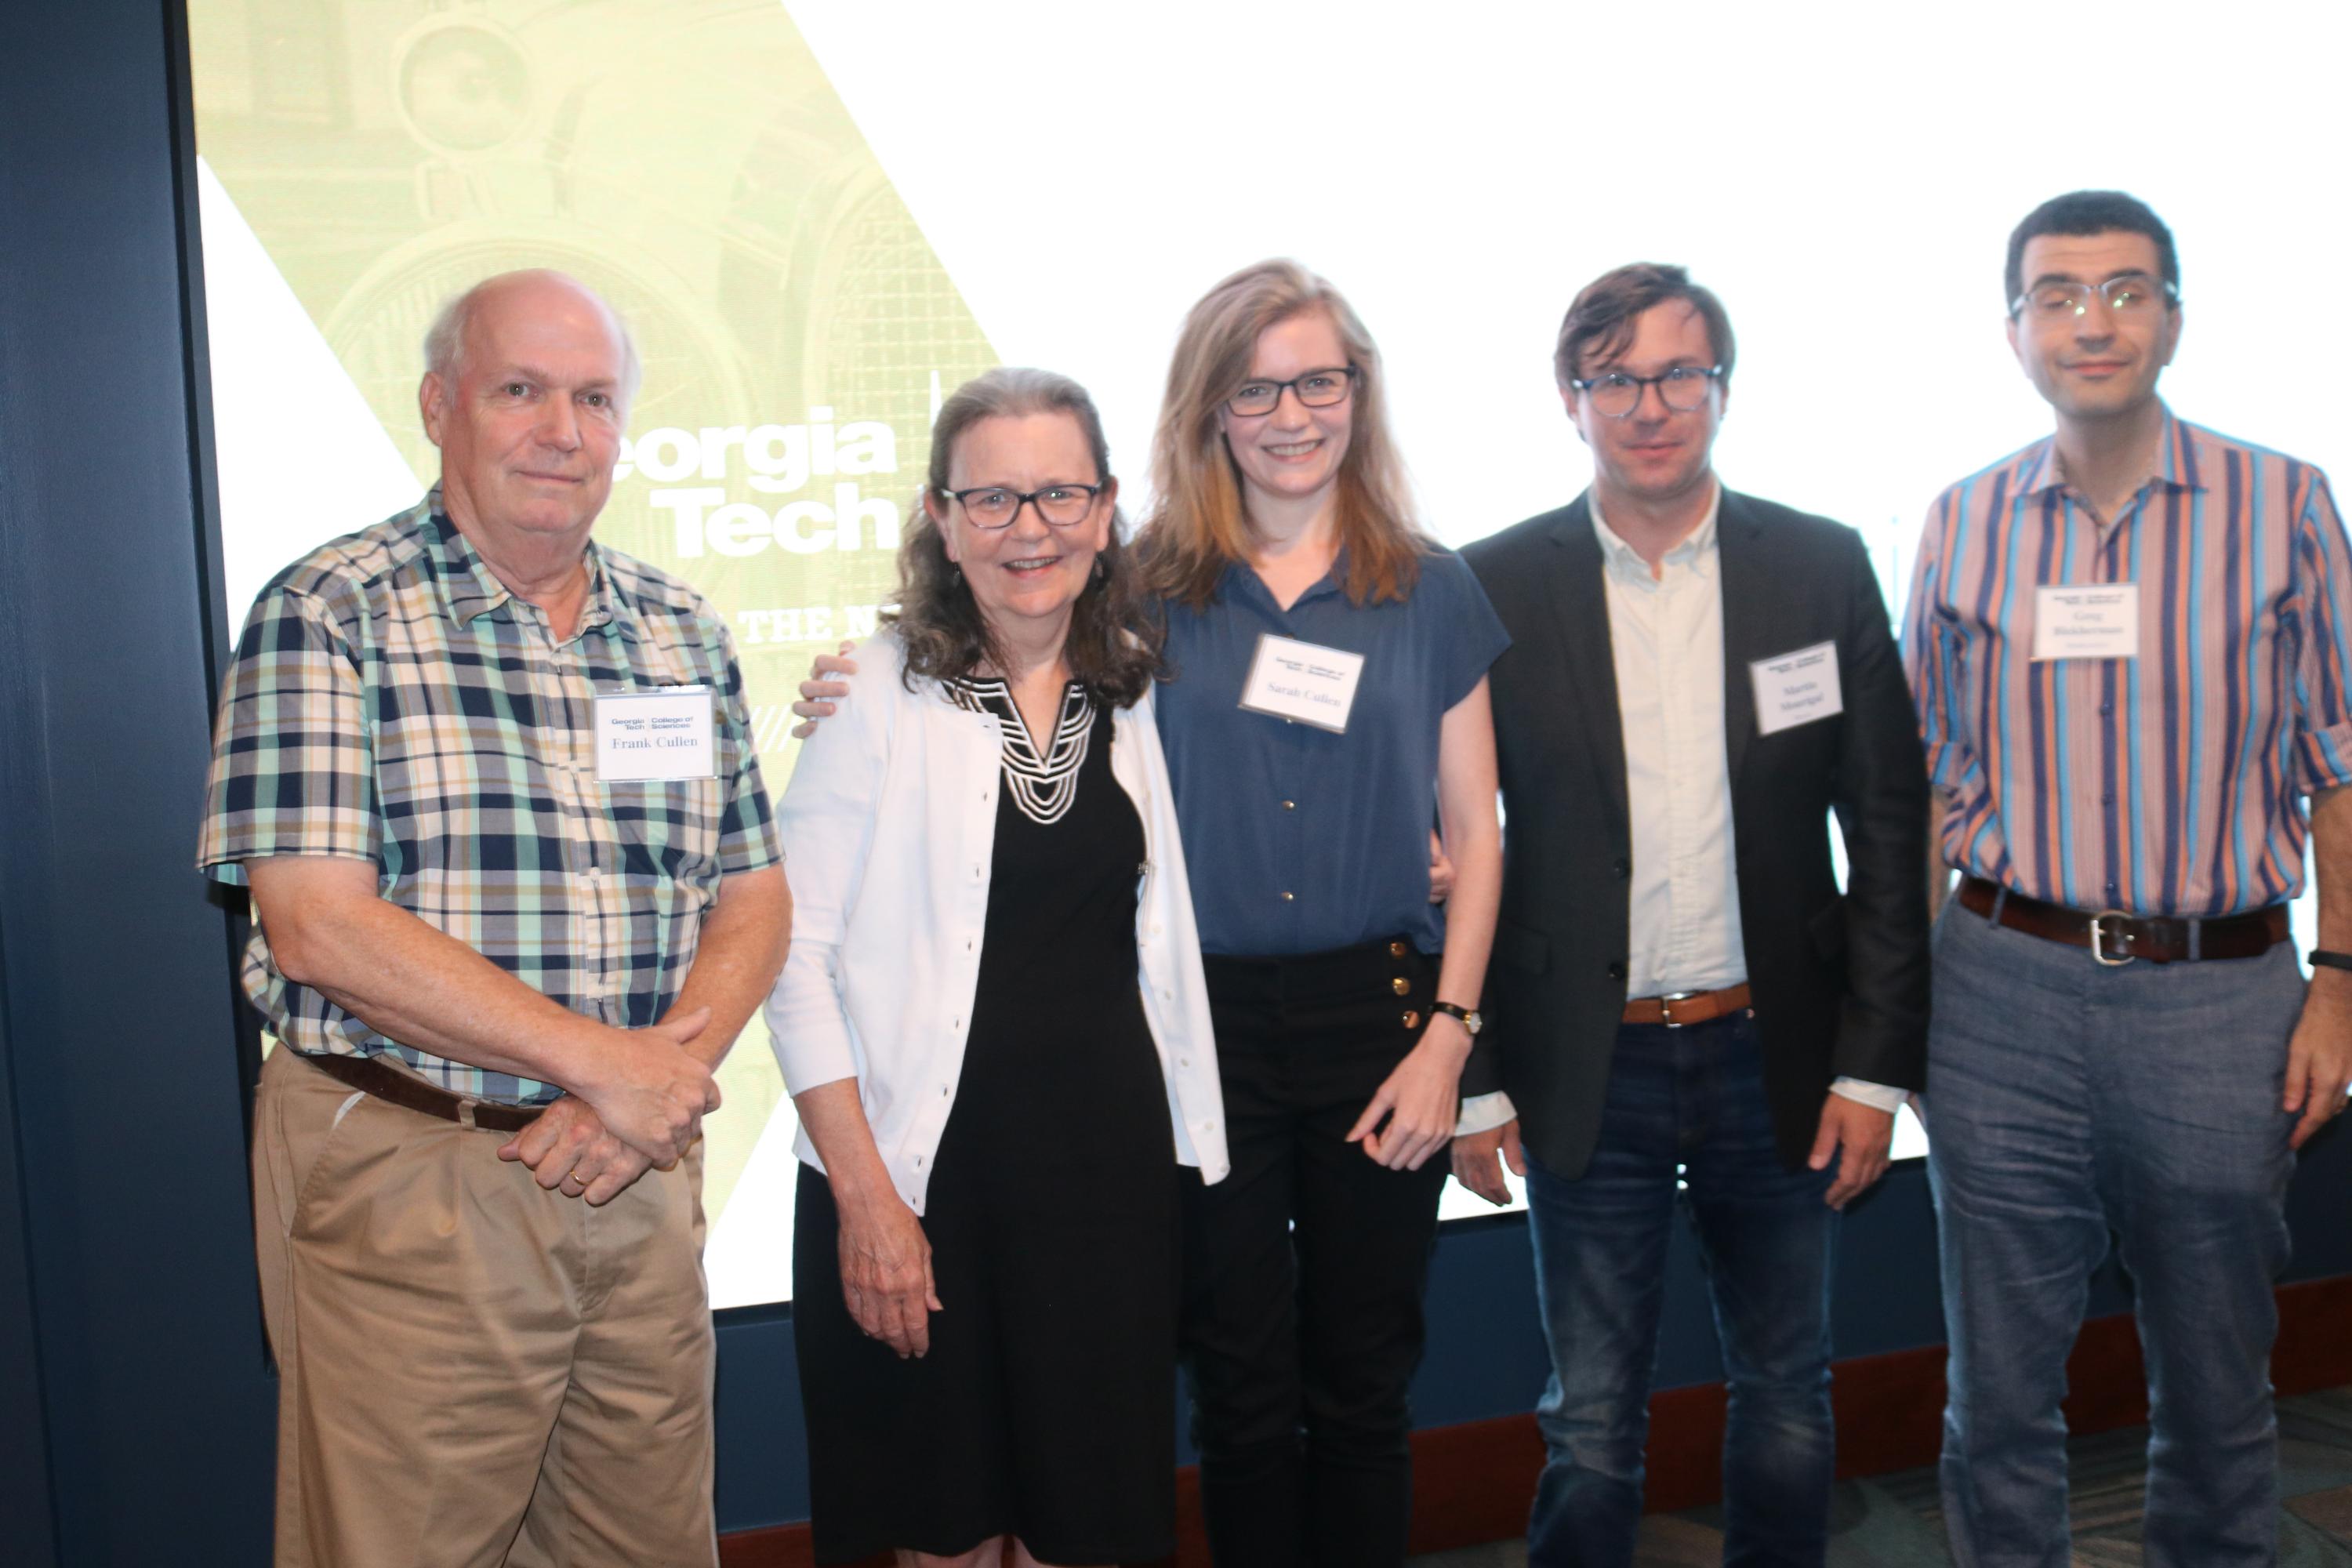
(889, 830)
(1665, 634)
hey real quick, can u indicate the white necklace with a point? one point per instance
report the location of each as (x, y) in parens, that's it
(1042, 787)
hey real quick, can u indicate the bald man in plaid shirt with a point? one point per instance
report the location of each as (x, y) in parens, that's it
(492, 787)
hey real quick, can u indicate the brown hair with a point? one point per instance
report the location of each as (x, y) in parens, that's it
(1600, 320)
(1196, 528)
(1115, 635)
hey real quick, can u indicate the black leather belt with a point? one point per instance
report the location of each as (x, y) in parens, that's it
(2116, 938)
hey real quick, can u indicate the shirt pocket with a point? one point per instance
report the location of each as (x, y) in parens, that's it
(451, 785)
(667, 830)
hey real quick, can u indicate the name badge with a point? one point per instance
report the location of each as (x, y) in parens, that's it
(1302, 681)
(655, 733)
(1795, 689)
(2086, 620)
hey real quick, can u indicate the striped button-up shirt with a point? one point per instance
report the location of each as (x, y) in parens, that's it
(391, 701)
(2167, 783)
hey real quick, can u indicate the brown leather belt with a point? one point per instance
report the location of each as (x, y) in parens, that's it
(413, 1093)
(2116, 938)
(1684, 1009)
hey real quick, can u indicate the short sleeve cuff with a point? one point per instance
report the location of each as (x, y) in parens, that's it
(750, 852)
(2323, 759)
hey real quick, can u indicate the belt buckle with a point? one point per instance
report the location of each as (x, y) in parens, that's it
(1667, 1007)
(2098, 946)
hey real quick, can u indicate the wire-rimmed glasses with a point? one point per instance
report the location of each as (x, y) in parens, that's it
(2125, 294)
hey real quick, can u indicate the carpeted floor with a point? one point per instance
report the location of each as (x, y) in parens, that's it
(1897, 1522)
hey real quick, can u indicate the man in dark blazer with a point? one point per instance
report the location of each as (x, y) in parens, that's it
(1681, 1003)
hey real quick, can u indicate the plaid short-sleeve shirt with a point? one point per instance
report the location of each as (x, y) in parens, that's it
(391, 701)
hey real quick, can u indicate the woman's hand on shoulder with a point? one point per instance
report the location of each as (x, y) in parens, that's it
(822, 689)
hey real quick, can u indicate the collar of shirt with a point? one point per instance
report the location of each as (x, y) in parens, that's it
(1696, 550)
(470, 589)
(2176, 465)
(1242, 581)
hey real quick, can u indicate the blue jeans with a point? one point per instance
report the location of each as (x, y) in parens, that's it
(1687, 1102)
(2064, 1101)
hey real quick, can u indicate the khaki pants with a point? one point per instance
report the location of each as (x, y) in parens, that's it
(475, 1371)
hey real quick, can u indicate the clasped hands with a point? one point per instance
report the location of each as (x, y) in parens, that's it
(636, 1106)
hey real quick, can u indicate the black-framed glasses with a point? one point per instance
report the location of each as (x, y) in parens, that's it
(993, 506)
(2125, 294)
(1617, 394)
(1315, 389)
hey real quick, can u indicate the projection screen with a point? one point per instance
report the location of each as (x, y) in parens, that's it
(821, 217)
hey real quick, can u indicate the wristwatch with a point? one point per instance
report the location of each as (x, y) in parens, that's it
(1469, 1016)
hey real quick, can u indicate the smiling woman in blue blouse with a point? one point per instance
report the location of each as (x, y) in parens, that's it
(1340, 991)
(1327, 701)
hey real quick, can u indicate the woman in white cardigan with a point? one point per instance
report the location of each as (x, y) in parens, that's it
(994, 1026)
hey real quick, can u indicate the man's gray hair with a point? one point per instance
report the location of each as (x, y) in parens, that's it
(445, 340)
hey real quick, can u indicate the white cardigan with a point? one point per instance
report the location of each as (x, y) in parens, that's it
(889, 830)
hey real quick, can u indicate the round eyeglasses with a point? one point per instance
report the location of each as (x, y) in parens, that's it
(2125, 294)
(993, 506)
(1315, 389)
(1617, 394)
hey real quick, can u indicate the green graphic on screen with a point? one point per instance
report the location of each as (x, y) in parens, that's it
(690, 160)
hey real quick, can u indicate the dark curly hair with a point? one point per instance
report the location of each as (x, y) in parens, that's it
(2088, 212)
(1117, 632)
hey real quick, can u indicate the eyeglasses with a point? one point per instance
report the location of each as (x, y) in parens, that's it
(993, 506)
(1315, 389)
(2128, 293)
(1617, 394)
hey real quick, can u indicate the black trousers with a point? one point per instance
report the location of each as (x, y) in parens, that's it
(1304, 1267)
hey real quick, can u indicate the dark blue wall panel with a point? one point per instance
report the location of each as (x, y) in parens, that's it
(120, 1058)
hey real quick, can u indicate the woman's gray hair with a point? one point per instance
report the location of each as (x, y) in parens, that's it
(1116, 631)
(445, 340)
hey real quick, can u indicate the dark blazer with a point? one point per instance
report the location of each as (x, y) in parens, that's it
(1840, 983)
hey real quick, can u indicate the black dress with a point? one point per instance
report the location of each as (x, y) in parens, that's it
(1047, 1407)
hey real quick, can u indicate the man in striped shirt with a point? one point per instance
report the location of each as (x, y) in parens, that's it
(2128, 645)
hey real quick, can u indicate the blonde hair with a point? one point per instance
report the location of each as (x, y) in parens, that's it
(1196, 527)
